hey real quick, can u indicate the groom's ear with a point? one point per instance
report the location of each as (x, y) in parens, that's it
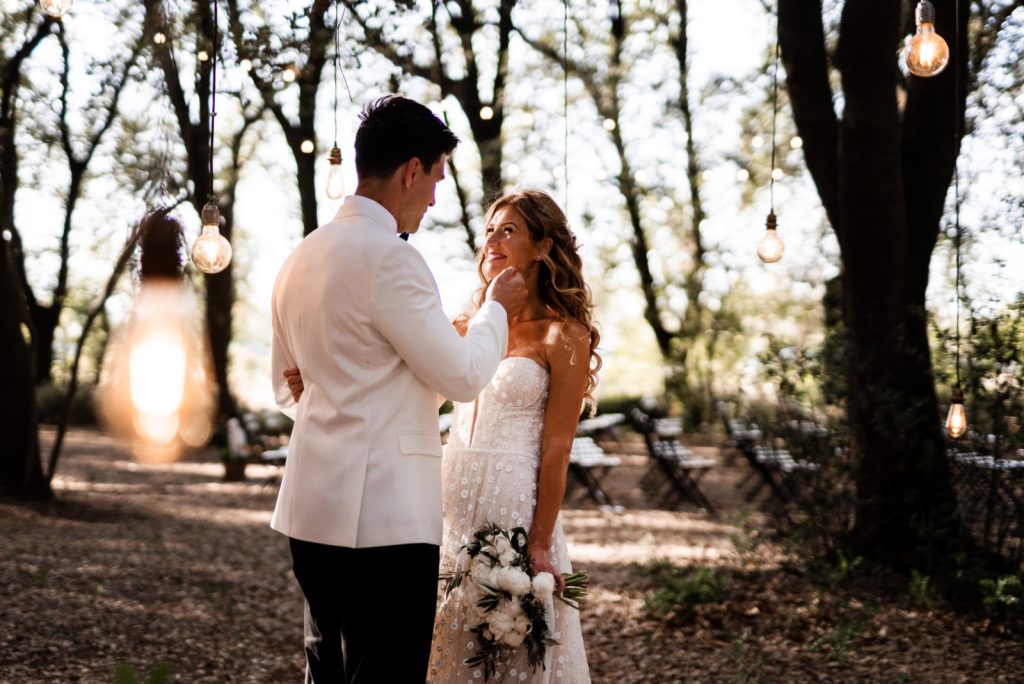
(409, 170)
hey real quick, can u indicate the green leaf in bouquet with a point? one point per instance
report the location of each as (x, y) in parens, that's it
(575, 589)
(453, 582)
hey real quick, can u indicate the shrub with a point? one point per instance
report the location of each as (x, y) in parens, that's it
(678, 591)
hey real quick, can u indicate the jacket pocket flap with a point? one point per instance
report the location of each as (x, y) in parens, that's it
(424, 443)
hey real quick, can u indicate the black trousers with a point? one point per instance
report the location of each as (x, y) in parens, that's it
(369, 612)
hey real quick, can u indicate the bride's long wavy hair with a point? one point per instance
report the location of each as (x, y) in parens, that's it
(560, 272)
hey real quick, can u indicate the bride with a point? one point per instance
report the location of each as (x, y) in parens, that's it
(507, 455)
(508, 451)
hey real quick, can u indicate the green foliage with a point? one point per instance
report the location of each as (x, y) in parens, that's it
(50, 404)
(839, 641)
(678, 591)
(162, 673)
(1003, 596)
(991, 372)
(921, 590)
(839, 572)
(747, 663)
(747, 539)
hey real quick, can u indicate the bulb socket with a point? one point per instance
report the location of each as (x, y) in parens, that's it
(334, 156)
(925, 13)
(769, 222)
(956, 396)
(211, 214)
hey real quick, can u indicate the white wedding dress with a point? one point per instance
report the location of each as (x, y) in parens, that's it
(490, 475)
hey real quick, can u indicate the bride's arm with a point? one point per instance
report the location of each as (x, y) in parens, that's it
(569, 360)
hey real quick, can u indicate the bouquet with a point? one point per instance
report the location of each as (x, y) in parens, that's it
(505, 602)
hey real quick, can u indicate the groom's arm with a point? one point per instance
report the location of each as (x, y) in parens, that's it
(280, 358)
(407, 312)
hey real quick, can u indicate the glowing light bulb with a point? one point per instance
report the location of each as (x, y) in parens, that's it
(796, 142)
(528, 119)
(925, 53)
(203, 55)
(157, 391)
(159, 38)
(289, 74)
(56, 8)
(609, 125)
(956, 421)
(777, 174)
(307, 146)
(486, 113)
(742, 175)
(757, 142)
(770, 248)
(211, 252)
(335, 181)
(246, 65)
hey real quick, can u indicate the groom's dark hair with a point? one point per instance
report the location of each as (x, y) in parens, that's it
(395, 129)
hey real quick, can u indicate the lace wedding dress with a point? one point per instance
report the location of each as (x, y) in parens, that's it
(490, 475)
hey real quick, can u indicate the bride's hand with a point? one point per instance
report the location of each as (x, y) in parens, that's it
(294, 379)
(540, 561)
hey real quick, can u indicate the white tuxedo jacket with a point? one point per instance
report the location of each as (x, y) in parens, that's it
(357, 310)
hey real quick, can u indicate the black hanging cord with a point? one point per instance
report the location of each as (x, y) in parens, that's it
(213, 92)
(775, 110)
(337, 43)
(565, 98)
(956, 174)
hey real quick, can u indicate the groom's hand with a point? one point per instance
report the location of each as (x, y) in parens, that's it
(509, 290)
(294, 380)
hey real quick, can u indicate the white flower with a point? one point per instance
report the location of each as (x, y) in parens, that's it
(493, 577)
(499, 623)
(522, 624)
(508, 556)
(462, 560)
(480, 572)
(543, 585)
(514, 581)
(502, 544)
(514, 639)
(511, 608)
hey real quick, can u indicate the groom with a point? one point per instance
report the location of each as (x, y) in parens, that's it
(357, 310)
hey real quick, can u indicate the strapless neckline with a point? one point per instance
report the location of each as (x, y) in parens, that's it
(536, 363)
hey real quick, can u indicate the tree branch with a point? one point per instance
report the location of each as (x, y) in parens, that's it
(801, 37)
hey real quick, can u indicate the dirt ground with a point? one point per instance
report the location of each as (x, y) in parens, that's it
(169, 564)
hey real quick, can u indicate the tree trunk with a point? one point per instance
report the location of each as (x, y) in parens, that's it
(882, 175)
(21, 472)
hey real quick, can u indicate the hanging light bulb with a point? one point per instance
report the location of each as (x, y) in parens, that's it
(335, 181)
(157, 391)
(56, 8)
(211, 252)
(159, 38)
(956, 421)
(486, 113)
(925, 53)
(770, 248)
(290, 73)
